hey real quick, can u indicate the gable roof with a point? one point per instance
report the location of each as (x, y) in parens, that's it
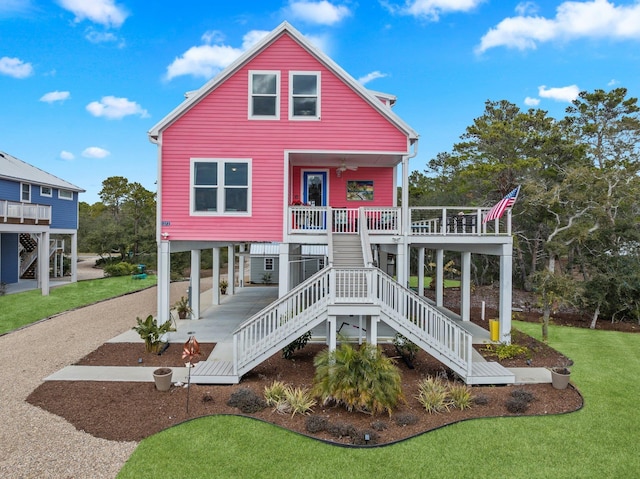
(194, 97)
(11, 168)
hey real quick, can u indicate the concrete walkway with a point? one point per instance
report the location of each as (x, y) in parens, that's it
(217, 325)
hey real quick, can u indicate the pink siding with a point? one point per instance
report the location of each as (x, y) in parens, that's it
(217, 127)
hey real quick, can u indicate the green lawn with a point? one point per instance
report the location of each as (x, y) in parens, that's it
(598, 441)
(448, 283)
(20, 309)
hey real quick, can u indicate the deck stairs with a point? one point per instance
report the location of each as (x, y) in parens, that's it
(346, 282)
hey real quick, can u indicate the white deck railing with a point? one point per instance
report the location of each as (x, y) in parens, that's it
(24, 211)
(423, 221)
(306, 306)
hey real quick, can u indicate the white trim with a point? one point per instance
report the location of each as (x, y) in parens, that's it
(64, 197)
(220, 187)
(46, 195)
(251, 95)
(22, 185)
(291, 95)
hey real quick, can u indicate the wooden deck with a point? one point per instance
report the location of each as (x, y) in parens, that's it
(214, 372)
(490, 373)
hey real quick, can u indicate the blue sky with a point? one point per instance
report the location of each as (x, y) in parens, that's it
(82, 81)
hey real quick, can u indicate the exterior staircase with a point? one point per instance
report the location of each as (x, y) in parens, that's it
(348, 283)
(28, 256)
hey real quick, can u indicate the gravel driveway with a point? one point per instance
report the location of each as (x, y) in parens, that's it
(35, 443)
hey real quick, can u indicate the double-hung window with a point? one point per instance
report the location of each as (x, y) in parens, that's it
(304, 95)
(268, 264)
(264, 96)
(220, 186)
(25, 192)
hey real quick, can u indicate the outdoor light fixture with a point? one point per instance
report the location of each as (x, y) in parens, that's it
(165, 235)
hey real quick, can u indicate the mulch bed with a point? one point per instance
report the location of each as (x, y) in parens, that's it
(132, 411)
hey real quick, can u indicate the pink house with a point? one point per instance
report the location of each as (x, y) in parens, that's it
(285, 147)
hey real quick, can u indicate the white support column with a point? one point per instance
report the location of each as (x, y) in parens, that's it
(241, 266)
(439, 277)
(331, 333)
(402, 264)
(465, 286)
(372, 329)
(195, 283)
(215, 266)
(284, 278)
(164, 278)
(506, 285)
(231, 269)
(74, 257)
(43, 262)
(421, 271)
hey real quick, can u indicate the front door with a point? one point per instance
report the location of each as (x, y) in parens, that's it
(315, 188)
(315, 194)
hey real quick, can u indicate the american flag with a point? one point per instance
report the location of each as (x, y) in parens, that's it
(498, 209)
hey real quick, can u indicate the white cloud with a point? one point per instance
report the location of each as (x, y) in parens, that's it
(565, 93)
(14, 67)
(207, 60)
(432, 9)
(590, 19)
(531, 101)
(526, 8)
(613, 82)
(68, 156)
(322, 12)
(95, 152)
(100, 37)
(103, 12)
(371, 76)
(54, 96)
(115, 108)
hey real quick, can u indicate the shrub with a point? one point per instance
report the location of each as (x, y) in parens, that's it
(526, 396)
(299, 400)
(247, 401)
(120, 269)
(363, 379)
(379, 425)
(301, 342)
(341, 429)
(517, 405)
(274, 394)
(481, 399)
(432, 394)
(151, 332)
(406, 419)
(315, 424)
(405, 347)
(508, 351)
(460, 396)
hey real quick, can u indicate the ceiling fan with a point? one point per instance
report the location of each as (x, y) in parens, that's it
(345, 167)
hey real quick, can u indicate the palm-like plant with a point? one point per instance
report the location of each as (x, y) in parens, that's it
(150, 332)
(363, 379)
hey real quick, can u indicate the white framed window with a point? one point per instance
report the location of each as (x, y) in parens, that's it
(264, 95)
(46, 191)
(220, 186)
(268, 264)
(25, 192)
(65, 195)
(304, 95)
(321, 263)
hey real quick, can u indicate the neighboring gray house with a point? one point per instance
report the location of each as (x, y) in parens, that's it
(38, 214)
(265, 261)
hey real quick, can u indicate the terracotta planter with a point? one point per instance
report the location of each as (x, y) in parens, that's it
(162, 378)
(560, 377)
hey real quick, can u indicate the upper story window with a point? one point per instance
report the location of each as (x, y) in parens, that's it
(25, 192)
(45, 191)
(264, 98)
(304, 95)
(65, 194)
(220, 186)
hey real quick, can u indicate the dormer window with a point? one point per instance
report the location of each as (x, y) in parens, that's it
(264, 101)
(304, 95)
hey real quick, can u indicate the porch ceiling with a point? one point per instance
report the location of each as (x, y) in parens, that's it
(336, 159)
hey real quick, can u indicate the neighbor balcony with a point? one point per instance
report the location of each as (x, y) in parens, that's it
(24, 213)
